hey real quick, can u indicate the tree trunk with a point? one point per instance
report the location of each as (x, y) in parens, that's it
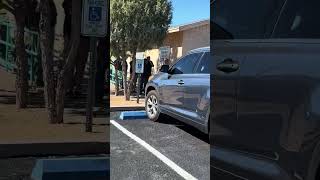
(21, 58)
(133, 78)
(124, 78)
(60, 96)
(46, 45)
(117, 82)
(67, 71)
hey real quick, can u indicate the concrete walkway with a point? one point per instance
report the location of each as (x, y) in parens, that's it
(119, 103)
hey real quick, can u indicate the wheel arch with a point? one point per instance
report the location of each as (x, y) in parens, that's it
(150, 88)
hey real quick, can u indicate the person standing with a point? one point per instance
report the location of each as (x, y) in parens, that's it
(148, 65)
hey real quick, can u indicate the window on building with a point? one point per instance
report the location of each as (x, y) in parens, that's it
(299, 20)
(244, 19)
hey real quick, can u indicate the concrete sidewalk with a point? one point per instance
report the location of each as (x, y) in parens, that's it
(118, 103)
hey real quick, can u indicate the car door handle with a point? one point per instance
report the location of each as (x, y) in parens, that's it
(181, 82)
(228, 66)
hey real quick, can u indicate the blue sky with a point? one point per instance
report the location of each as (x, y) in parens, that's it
(185, 11)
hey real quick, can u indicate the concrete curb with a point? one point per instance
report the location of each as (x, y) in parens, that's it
(53, 149)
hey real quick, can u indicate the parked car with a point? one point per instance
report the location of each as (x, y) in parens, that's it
(182, 91)
(265, 124)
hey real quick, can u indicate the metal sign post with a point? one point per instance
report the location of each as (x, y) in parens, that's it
(139, 70)
(94, 24)
(138, 88)
(91, 84)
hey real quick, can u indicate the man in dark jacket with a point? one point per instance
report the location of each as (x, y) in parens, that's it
(148, 65)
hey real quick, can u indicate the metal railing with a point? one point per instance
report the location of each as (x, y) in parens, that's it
(113, 75)
(7, 51)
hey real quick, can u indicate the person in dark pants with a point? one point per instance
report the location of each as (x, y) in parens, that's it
(148, 65)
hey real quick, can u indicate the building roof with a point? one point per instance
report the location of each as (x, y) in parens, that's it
(187, 26)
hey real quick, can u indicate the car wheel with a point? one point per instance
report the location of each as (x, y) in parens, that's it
(152, 106)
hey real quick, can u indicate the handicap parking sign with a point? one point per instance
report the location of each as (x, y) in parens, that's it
(95, 13)
(94, 18)
(139, 66)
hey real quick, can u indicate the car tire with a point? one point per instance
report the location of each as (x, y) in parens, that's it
(152, 105)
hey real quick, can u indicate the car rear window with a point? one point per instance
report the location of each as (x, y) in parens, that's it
(245, 19)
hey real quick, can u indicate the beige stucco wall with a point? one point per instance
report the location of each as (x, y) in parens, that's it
(174, 40)
(183, 41)
(196, 38)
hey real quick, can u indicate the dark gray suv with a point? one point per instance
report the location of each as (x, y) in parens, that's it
(182, 91)
(265, 124)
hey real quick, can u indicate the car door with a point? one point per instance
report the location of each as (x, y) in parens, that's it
(235, 34)
(278, 79)
(172, 87)
(197, 91)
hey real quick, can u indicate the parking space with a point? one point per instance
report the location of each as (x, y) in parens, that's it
(169, 149)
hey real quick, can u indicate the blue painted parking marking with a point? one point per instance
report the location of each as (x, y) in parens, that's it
(131, 115)
(72, 168)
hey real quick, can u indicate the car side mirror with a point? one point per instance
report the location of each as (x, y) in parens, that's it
(164, 69)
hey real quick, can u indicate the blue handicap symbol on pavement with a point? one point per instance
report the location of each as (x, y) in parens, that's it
(95, 13)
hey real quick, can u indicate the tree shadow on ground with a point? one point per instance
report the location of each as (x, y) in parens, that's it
(74, 105)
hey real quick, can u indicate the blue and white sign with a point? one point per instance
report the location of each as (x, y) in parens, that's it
(139, 66)
(95, 14)
(94, 18)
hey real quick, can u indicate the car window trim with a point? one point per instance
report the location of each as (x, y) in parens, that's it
(284, 6)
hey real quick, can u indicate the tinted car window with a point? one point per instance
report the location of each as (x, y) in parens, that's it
(299, 20)
(205, 64)
(245, 19)
(186, 64)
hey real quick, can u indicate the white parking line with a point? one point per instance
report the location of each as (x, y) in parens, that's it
(155, 152)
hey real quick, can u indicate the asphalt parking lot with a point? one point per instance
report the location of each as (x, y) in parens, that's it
(169, 149)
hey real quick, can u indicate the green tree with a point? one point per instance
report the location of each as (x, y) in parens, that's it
(138, 25)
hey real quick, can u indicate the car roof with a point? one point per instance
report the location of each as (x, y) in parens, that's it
(203, 49)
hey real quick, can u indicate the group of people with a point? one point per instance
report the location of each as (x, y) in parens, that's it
(148, 65)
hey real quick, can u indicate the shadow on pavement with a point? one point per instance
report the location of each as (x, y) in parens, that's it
(171, 121)
(185, 127)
